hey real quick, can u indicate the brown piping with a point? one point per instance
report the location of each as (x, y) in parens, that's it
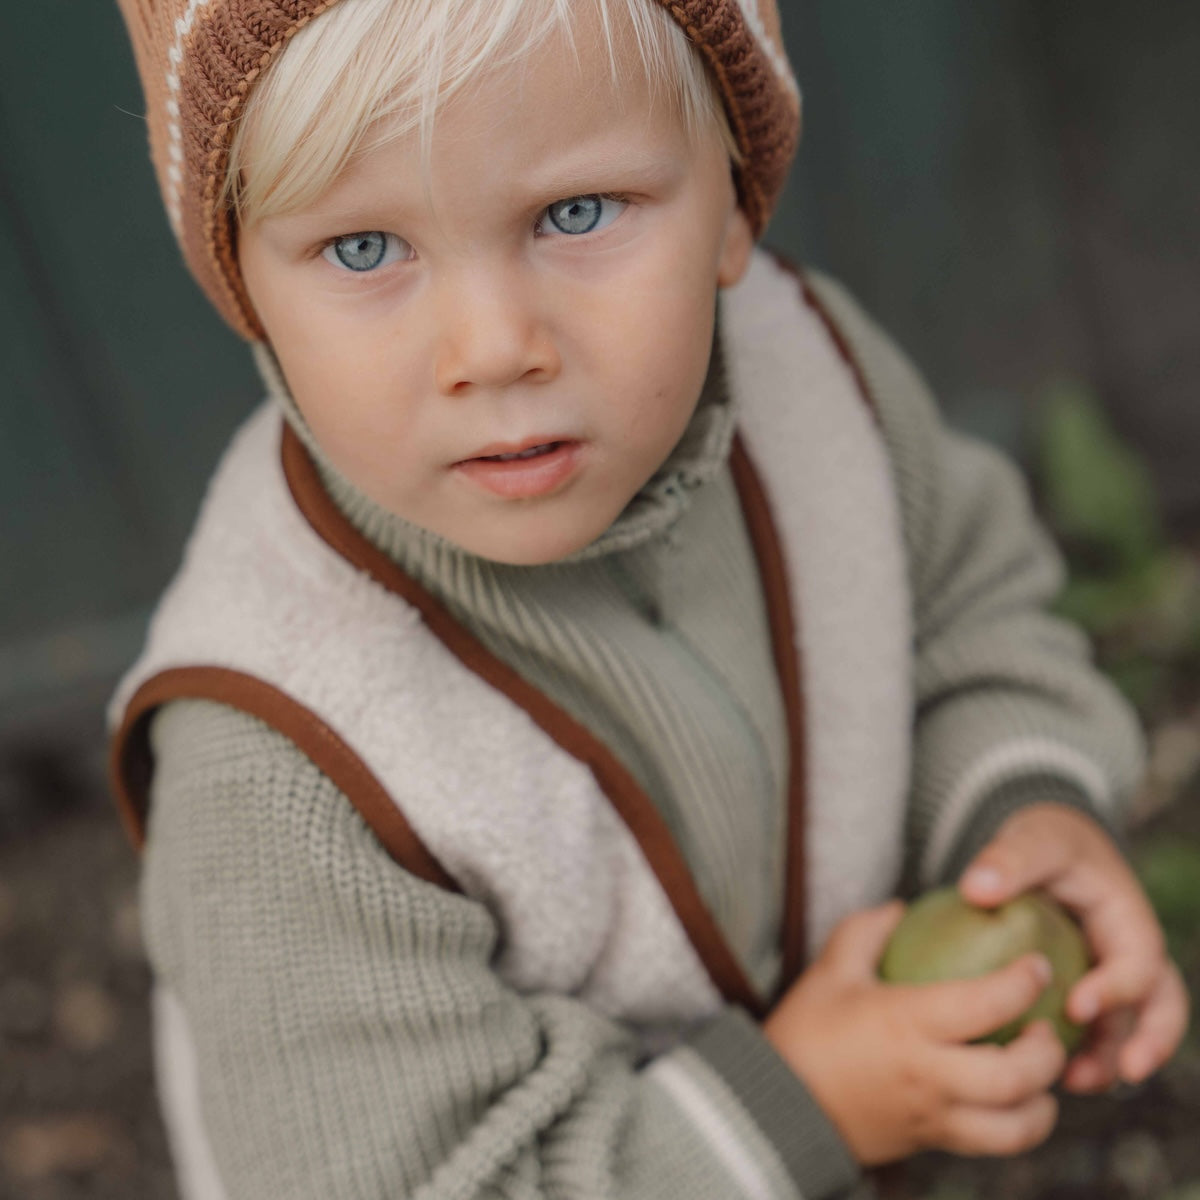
(772, 570)
(839, 339)
(130, 762)
(628, 799)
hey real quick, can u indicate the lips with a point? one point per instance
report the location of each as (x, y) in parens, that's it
(537, 467)
(529, 448)
(532, 452)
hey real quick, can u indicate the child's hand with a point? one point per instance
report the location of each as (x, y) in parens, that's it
(888, 1062)
(1133, 997)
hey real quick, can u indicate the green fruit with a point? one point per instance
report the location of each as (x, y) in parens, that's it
(943, 937)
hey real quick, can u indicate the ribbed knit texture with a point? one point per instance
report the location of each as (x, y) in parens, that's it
(199, 59)
(354, 1042)
(762, 1081)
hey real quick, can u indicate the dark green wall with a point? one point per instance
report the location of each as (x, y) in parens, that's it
(1010, 186)
(119, 386)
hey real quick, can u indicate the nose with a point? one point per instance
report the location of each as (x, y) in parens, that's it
(491, 333)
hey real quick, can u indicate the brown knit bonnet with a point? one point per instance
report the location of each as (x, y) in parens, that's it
(198, 60)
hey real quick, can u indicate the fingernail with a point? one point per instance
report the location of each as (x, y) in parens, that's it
(1086, 1008)
(985, 879)
(1045, 972)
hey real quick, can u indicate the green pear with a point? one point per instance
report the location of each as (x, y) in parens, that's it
(943, 937)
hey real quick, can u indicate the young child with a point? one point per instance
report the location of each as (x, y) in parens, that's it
(592, 632)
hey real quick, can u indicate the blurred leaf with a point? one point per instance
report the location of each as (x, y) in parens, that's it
(1141, 681)
(1138, 596)
(1101, 604)
(1170, 873)
(1186, 1191)
(1097, 491)
(1155, 605)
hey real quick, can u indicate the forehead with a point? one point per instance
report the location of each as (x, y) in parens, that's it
(357, 77)
(559, 120)
(564, 87)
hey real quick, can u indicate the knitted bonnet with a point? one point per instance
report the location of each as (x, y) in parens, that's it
(198, 60)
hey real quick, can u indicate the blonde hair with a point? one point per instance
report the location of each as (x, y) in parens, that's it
(362, 62)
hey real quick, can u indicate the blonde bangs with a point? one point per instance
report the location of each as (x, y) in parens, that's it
(368, 69)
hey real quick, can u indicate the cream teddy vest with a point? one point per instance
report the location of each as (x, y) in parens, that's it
(474, 780)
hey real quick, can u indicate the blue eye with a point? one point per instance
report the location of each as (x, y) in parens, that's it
(582, 214)
(366, 251)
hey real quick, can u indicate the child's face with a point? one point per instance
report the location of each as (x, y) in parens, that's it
(551, 281)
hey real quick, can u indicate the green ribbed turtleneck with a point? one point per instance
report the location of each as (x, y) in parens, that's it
(655, 637)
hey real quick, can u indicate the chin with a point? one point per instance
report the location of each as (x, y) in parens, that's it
(533, 547)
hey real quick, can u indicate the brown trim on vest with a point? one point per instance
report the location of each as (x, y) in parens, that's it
(773, 571)
(631, 803)
(839, 339)
(131, 759)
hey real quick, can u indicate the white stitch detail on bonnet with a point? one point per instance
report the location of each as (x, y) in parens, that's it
(183, 27)
(778, 60)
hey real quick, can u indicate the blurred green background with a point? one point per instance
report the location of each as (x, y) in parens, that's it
(1011, 186)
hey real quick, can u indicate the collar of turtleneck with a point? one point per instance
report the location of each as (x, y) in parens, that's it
(698, 457)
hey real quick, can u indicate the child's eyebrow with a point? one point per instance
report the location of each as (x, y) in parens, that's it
(578, 171)
(331, 220)
(624, 169)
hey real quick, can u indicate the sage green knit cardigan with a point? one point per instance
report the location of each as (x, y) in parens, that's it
(349, 1037)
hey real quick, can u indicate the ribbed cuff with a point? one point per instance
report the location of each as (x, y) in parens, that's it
(809, 1146)
(1011, 797)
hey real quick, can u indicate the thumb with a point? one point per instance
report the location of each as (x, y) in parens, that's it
(1019, 858)
(857, 942)
(989, 879)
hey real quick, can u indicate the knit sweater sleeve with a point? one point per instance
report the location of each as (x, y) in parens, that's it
(348, 1036)
(1010, 710)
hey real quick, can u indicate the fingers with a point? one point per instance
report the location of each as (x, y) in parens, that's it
(1131, 1043)
(1159, 1030)
(857, 943)
(976, 1131)
(1130, 952)
(997, 1097)
(1094, 1069)
(1020, 857)
(964, 1009)
(1004, 1076)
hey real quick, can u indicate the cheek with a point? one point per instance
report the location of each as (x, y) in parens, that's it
(663, 319)
(678, 344)
(340, 378)
(360, 424)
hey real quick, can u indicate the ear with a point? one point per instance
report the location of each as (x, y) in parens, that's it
(735, 249)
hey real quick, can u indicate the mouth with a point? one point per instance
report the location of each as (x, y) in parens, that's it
(532, 448)
(538, 467)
